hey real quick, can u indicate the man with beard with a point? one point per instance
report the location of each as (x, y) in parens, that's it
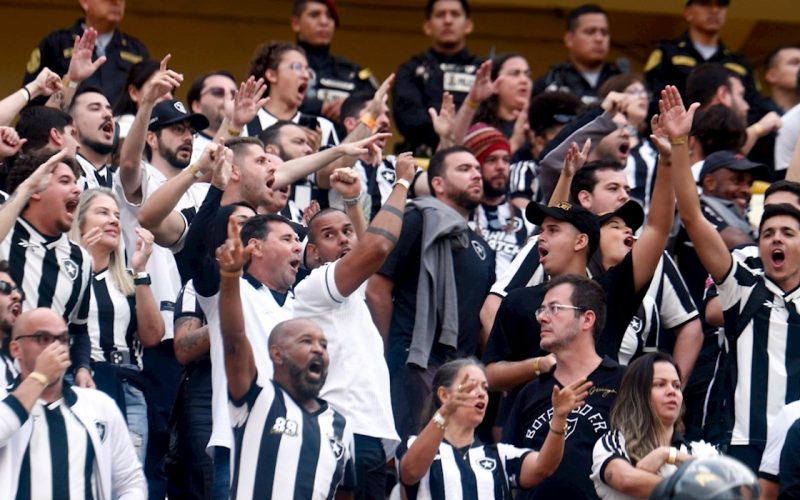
(94, 124)
(11, 297)
(425, 299)
(496, 219)
(208, 96)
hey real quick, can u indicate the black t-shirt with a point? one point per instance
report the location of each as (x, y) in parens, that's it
(474, 274)
(528, 425)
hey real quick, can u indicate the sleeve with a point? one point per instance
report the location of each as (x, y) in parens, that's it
(499, 347)
(776, 436)
(512, 458)
(198, 252)
(127, 477)
(12, 416)
(186, 305)
(787, 139)
(736, 285)
(317, 293)
(522, 271)
(409, 241)
(610, 446)
(522, 176)
(623, 300)
(80, 349)
(714, 218)
(676, 306)
(349, 480)
(400, 453)
(410, 109)
(789, 473)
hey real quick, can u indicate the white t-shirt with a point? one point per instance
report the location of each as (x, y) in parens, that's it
(776, 435)
(358, 378)
(787, 138)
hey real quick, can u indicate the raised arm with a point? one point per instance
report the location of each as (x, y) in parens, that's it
(710, 247)
(573, 161)
(80, 68)
(347, 183)
(444, 121)
(482, 88)
(46, 83)
(240, 365)
(149, 322)
(380, 237)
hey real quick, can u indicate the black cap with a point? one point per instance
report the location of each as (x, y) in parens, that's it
(733, 161)
(583, 220)
(630, 212)
(172, 111)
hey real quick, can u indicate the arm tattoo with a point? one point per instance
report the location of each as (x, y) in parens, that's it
(392, 210)
(383, 233)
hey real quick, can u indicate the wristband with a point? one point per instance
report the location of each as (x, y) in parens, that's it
(351, 202)
(536, 369)
(677, 141)
(142, 278)
(39, 377)
(471, 104)
(402, 182)
(195, 170)
(27, 93)
(439, 420)
(368, 120)
(673, 455)
(69, 83)
(230, 274)
(234, 133)
(558, 432)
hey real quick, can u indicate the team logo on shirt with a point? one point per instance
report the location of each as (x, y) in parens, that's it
(70, 267)
(389, 176)
(488, 464)
(636, 324)
(336, 446)
(101, 429)
(285, 426)
(476, 245)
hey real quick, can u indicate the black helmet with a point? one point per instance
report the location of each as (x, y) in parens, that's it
(709, 478)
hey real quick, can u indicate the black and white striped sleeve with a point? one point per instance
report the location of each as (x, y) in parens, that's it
(187, 305)
(524, 270)
(609, 447)
(675, 306)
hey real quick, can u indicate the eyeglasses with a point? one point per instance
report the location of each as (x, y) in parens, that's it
(300, 68)
(7, 288)
(46, 338)
(182, 128)
(219, 92)
(553, 309)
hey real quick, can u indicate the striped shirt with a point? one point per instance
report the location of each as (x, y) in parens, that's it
(112, 318)
(282, 451)
(59, 460)
(90, 177)
(763, 366)
(505, 229)
(523, 180)
(8, 371)
(641, 172)
(477, 473)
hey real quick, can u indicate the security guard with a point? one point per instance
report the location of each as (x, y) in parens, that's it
(121, 50)
(334, 78)
(446, 66)
(672, 61)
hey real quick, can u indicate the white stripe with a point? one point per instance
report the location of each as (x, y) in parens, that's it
(483, 478)
(450, 473)
(288, 454)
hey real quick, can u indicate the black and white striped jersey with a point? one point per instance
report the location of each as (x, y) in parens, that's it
(112, 317)
(90, 177)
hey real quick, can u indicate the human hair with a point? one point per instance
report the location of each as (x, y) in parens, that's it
(431, 3)
(586, 294)
(352, 106)
(26, 164)
(776, 210)
(84, 88)
(116, 263)
(437, 167)
(257, 227)
(241, 144)
(770, 60)
(310, 237)
(487, 112)
(704, 80)
(783, 186)
(268, 55)
(585, 179)
(272, 134)
(137, 77)
(633, 414)
(551, 108)
(35, 124)
(196, 89)
(618, 83)
(719, 128)
(577, 12)
(446, 376)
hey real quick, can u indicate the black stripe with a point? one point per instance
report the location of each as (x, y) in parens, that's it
(88, 468)
(759, 376)
(59, 452)
(105, 313)
(792, 354)
(16, 254)
(19, 410)
(338, 432)
(76, 256)
(309, 456)
(436, 480)
(525, 271)
(498, 474)
(24, 483)
(268, 449)
(49, 282)
(469, 483)
(678, 285)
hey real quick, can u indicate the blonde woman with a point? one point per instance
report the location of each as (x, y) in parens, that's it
(122, 309)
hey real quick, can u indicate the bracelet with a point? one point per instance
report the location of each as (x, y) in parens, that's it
(234, 133)
(677, 141)
(39, 377)
(536, 369)
(439, 420)
(759, 130)
(69, 83)
(471, 104)
(368, 120)
(142, 278)
(195, 170)
(230, 274)
(558, 432)
(27, 93)
(673, 455)
(402, 182)
(351, 202)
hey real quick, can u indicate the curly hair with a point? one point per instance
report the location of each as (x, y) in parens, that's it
(268, 55)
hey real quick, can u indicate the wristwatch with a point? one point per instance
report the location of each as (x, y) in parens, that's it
(142, 278)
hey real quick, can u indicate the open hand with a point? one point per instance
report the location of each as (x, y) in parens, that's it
(570, 397)
(444, 121)
(144, 248)
(81, 66)
(575, 158)
(460, 396)
(675, 119)
(249, 99)
(39, 180)
(483, 87)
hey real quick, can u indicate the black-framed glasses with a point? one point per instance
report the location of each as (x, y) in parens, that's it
(553, 309)
(219, 92)
(181, 128)
(7, 288)
(46, 338)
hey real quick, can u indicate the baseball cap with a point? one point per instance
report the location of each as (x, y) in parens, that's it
(630, 212)
(583, 220)
(733, 161)
(172, 111)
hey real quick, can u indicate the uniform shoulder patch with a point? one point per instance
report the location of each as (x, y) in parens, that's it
(130, 57)
(736, 68)
(684, 61)
(34, 62)
(654, 60)
(365, 74)
(67, 53)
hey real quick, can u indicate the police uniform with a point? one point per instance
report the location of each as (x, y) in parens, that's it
(565, 77)
(673, 60)
(335, 78)
(419, 86)
(55, 52)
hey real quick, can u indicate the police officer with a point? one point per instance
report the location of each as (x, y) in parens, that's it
(121, 50)
(446, 66)
(673, 60)
(334, 78)
(588, 40)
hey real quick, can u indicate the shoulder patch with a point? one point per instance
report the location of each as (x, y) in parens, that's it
(364, 74)
(684, 61)
(654, 60)
(736, 68)
(67, 53)
(130, 57)
(34, 62)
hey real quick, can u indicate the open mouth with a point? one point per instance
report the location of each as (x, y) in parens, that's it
(344, 252)
(302, 88)
(71, 205)
(315, 367)
(480, 406)
(543, 253)
(624, 148)
(778, 257)
(16, 309)
(629, 241)
(295, 264)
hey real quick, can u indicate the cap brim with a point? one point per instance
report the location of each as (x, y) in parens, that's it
(196, 121)
(536, 213)
(630, 212)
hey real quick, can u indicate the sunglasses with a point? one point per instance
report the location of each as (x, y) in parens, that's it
(7, 288)
(219, 92)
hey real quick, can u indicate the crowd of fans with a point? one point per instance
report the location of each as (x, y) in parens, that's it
(246, 296)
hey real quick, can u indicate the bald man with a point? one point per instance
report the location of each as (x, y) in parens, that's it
(76, 444)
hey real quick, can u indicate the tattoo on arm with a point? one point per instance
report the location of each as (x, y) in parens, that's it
(392, 210)
(383, 233)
